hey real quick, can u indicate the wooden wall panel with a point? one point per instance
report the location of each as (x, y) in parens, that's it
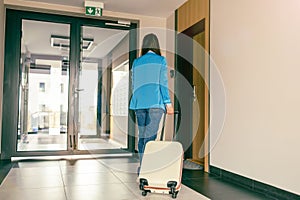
(191, 12)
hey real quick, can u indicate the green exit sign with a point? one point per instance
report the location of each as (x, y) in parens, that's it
(93, 11)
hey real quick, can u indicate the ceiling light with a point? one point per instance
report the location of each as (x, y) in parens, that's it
(59, 41)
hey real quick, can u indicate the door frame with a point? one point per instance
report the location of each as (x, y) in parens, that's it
(186, 69)
(13, 32)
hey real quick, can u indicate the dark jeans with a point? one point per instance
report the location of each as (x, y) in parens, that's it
(148, 123)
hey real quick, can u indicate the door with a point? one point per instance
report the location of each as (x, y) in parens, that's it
(191, 89)
(62, 85)
(199, 85)
(102, 92)
(43, 86)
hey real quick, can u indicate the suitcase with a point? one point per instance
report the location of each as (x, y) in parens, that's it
(161, 167)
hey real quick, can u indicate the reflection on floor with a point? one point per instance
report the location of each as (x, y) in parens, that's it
(111, 179)
(99, 143)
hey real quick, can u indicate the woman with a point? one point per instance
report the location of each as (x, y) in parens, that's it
(150, 97)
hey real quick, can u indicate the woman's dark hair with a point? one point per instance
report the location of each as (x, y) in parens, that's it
(150, 42)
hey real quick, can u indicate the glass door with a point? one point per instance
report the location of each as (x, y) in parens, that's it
(102, 92)
(43, 86)
(66, 85)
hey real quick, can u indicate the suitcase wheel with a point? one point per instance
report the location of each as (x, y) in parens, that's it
(174, 195)
(172, 185)
(144, 193)
(143, 182)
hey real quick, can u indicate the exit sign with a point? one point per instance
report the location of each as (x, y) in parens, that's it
(93, 11)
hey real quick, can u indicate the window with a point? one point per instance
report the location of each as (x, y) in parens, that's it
(61, 88)
(42, 108)
(42, 87)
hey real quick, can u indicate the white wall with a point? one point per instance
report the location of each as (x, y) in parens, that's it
(2, 11)
(170, 55)
(255, 44)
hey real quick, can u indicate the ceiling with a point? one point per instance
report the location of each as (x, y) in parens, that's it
(36, 39)
(156, 8)
(37, 35)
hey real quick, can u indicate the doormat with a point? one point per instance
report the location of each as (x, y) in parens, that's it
(191, 165)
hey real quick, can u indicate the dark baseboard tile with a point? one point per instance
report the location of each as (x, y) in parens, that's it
(274, 191)
(256, 186)
(5, 166)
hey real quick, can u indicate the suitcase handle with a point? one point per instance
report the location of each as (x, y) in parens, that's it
(176, 114)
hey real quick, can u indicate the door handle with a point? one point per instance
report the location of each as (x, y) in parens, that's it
(71, 143)
(74, 142)
(194, 93)
(79, 90)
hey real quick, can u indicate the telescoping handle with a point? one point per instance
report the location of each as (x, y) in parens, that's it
(176, 114)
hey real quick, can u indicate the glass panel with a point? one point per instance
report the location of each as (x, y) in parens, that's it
(43, 98)
(103, 86)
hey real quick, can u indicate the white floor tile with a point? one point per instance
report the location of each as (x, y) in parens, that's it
(126, 177)
(102, 191)
(33, 194)
(29, 171)
(81, 169)
(18, 182)
(121, 166)
(90, 179)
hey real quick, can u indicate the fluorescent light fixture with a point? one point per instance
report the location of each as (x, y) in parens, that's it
(59, 41)
(124, 22)
(116, 24)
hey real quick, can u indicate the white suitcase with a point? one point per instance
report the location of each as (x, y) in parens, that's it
(161, 168)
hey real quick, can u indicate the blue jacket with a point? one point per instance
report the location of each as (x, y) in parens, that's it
(149, 82)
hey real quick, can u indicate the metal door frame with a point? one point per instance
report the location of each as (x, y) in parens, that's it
(12, 75)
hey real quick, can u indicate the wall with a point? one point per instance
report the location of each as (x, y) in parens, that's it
(255, 46)
(2, 13)
(191, 12)
(170, 51)
(119, 98)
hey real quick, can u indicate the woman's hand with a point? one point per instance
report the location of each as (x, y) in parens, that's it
(170, 109)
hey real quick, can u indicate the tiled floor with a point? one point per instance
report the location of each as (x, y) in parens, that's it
(103, 178)
(106, 178)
